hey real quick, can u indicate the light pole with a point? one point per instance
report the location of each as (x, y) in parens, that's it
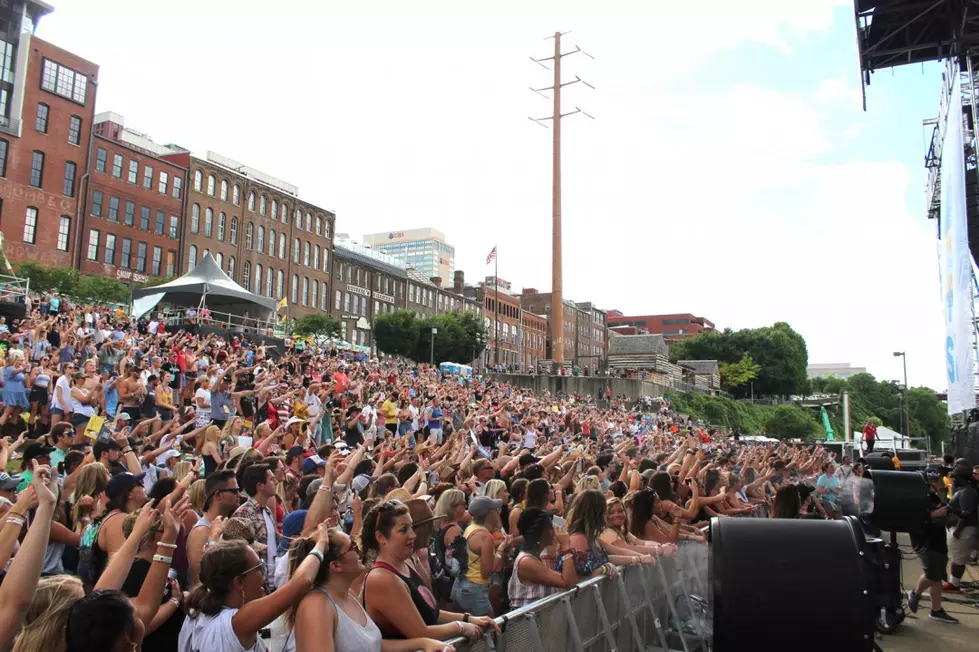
(435, 332)
(907, 404)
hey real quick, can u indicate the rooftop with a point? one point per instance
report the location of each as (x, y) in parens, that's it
(637, 345)
(251, 173)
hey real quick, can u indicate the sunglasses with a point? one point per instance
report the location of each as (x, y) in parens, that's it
(262, 567)
(353, 548)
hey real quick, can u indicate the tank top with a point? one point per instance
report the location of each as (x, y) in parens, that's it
(349, 635)
(42, 379)
(78, 407)
(421, 597)
(521, 593)
(214, 634)
(473, 572)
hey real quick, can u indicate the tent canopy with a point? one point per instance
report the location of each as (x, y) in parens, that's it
(207, 278)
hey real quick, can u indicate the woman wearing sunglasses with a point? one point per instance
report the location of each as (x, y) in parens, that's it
(229, 610)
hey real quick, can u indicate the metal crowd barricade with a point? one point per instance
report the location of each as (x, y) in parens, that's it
(642, 609)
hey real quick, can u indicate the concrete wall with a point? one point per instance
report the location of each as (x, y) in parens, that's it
(583, 385)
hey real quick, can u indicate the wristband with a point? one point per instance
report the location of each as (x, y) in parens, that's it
(19, 522)
(161, 558)
(175, 602)
(171, 546)
(316, 553)
(13, 513)
(466, 617)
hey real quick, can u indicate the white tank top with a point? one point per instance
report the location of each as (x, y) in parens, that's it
(214, 634)
(78, 407)
(350, 636)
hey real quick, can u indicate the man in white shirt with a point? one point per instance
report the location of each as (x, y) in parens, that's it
(153, 326)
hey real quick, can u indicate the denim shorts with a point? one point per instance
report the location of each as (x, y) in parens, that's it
(471, 597)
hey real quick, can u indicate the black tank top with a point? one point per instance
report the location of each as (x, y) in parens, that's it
(421, 597)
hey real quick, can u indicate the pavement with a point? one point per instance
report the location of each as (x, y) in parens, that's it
(919, 634)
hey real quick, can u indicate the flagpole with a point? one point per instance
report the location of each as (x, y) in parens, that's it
(496, 287)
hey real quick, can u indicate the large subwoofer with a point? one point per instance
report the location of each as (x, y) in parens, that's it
(770, 577)
(900, 501)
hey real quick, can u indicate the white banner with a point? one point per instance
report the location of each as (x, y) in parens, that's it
(956, 261)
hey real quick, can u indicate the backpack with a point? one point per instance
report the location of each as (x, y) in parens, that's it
(90, 563)
(448, 561)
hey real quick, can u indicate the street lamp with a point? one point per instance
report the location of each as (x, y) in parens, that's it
(435, 332)
(907, 404)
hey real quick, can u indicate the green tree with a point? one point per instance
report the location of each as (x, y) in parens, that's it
(102, 289)
(153, 281)
(36, 273)
(790, 422)
(929, 416)
(66, 280)
(396, 333)
(316, 325)
(461, 337)
(738, 373)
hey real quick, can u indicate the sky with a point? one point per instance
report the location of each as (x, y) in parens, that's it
(730, 170)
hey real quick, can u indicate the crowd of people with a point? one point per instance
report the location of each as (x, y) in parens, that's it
(166, 491)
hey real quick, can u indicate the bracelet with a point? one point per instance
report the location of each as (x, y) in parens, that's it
(13, 513)
(19, 522)
(461, 628)
(324, 487)
(316, 553)
(466, 617)
(161, 558)
(175, 602)
(171, 546)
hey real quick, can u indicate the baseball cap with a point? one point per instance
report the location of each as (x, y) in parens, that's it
(313, 462)
(9, 482)
(481, 505)
(526, 459)
(35, 450)
(360, 482)
(167, 455)
(122, 483)
(123, 416)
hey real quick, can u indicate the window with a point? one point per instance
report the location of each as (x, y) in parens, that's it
(306, 255)
(284, 214)
(144, 218)
(280, 279)
(210, 185)
(178, 183)
(147, 176)
(295, 251)
(272, 243)
(171, 261)
(251, 202)
(234, 230)
(157, 260)
(319, 225)
(219, 259)
(63, 81)
(325, 300)
(127, 247)
(309, 222)
(282, 246)
(133, 171)
(231, 267)
(41, 119)
(336, 300)
(113, 209)
(160, 223)
(246, 274)
(261, 205)
(97, 199)
(30, 225)
(326, 229)
(208, 222)
(236, 195)
(295, 288)
(4, 145)
(117, 166)
(248, 236)
(68, 186)
(356, 304)
(316, 293)
(316, 256)
(74, 130)
(222, 220)
(326, 260)
(64, 230)
(198, 180)
(174, 228)
(275, 210)
(269, 280)
(258, 279)
(260, 240)
(141, 257)
(110, 249)
(224, 190)
(195, 218)
(37, 169)
(93, 245)
(164, 180)
(192, 257)
(346, 302)
(299, 219)
(100, 160)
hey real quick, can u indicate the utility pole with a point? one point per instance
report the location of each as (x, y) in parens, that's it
(557, 280)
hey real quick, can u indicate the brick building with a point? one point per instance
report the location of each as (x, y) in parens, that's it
(258, 230)
(47, 104)
(134, 202)
(585, 329)
(672, 327)
(521, 334)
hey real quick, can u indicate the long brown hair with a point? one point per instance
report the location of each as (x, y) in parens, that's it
(300, 548)
(221, 564)
(587, 515)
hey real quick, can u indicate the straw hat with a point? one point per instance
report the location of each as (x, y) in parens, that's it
(399, 494)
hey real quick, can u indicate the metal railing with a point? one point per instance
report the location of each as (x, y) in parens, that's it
(642, 608)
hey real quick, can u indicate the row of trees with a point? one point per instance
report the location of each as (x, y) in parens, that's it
(72, 283)
(773, 359)
(460, 336)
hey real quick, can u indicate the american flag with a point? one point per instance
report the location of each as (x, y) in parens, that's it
(492, 255)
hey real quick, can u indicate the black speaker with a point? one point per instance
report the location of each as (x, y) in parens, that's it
(882, 461)
(900, 500)
(771, 576)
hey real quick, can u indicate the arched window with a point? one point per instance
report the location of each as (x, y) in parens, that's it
(260, 239)
(248, 236)
(191, 257)
(219, 259)
(234, 230)
(295, 288)
(316, 256)
(210, 185)
(319, 225)
(269, 279)
(262, 205)
(258, 279)
(282, 246)
(246, 272)
(305, 291)
(204, 255)
(295, 251)
(224, 190)
(326, 229)
(198, 180)
(222, 223)
(299, 219)
(325, 299)
(326, 259)
(275, 210)
(231, 267)
(195, 218)
(279, 280)
(236, 195)
(309, 222)
(316, 292)
(251, 202)
(284, 213)
(272, 243)
(306, 255)
(208, 222)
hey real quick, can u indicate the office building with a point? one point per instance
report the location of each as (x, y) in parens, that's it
(425, 250)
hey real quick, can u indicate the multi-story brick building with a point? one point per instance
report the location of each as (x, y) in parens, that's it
(258, 230)
(585, 329)
(134, 202)
(673, 327)
(47, 103)
(521, 333)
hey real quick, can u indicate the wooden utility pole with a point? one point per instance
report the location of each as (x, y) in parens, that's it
(557, 269)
